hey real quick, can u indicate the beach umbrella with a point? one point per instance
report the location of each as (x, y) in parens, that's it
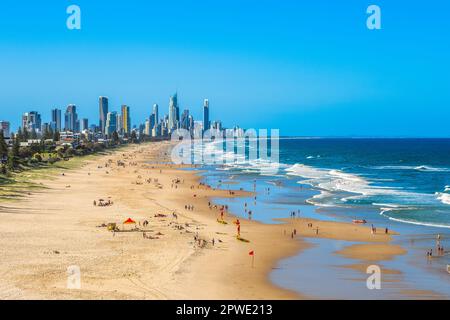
(129, 221)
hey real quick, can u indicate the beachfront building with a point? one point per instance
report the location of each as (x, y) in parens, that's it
(174, 112)
(5, 126)
(147, 129)
(31, 121)
(71, 118)
(155, 112)
(198, 129)
(205, 114)
(56, 119)
(119, 123)
(111, 123)
(103, 111)
(84, 124)
(126, 120)
(184, 122)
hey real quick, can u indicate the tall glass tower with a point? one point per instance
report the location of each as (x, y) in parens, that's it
(174, 112)
(155, 112)
(103, 111)
(126, 120)
(206, 121)
(56, 119)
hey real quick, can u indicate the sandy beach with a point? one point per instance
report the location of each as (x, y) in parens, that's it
(59, 226)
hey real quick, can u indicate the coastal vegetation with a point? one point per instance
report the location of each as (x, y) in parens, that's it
(28, 159)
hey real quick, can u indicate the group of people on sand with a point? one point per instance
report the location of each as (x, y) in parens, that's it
(189, 207)
(102, 203)
(439, 248)
(294, 213)
(202, 243)
(373, 230)
(310, 225)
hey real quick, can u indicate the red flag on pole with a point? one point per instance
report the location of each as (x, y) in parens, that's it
(251, 253)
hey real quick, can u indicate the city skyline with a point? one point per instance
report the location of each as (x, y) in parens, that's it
(110, 121)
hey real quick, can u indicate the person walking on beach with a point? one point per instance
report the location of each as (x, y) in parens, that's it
(317, 231)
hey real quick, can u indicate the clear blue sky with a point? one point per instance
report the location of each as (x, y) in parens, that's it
(305, 67)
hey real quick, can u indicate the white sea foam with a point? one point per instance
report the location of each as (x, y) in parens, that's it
(443, 197)
(336, 180)
(423, 168)
(389, 205)
(428, 224)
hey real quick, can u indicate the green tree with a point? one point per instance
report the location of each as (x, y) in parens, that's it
(3, 153)
(133, 137)
(13, 157)
(19, 134)
(25, 134)
(56, 136)
(115, 138)
(3, 146)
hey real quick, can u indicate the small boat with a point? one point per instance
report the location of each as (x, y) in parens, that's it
(361, 221)
(448, 268)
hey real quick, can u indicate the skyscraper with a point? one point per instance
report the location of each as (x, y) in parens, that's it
(206, 115)
(84, 124)
(103, 111)
(71, 118)
(5, 127)
(111, 123)
(174, 112)
(119, 123)
(56, 119)
(191, 124)
(184, 122)
(126, 120)
(155, 112)
(31, 121)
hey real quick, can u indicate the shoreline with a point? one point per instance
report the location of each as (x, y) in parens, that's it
(127, 266)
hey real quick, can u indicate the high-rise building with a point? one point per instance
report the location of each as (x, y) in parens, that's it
(184, 122)
(71, 118)
(111, 123)
(191, 123)
(174, 112)
(5, 127)
(119, 123)
(147, 130)
(155, 112)
(206, 115)
(84, 124)
(56, 119)
(152, 121)
(45, 127)
(31, 121)
(103, 111)
(126, 120)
